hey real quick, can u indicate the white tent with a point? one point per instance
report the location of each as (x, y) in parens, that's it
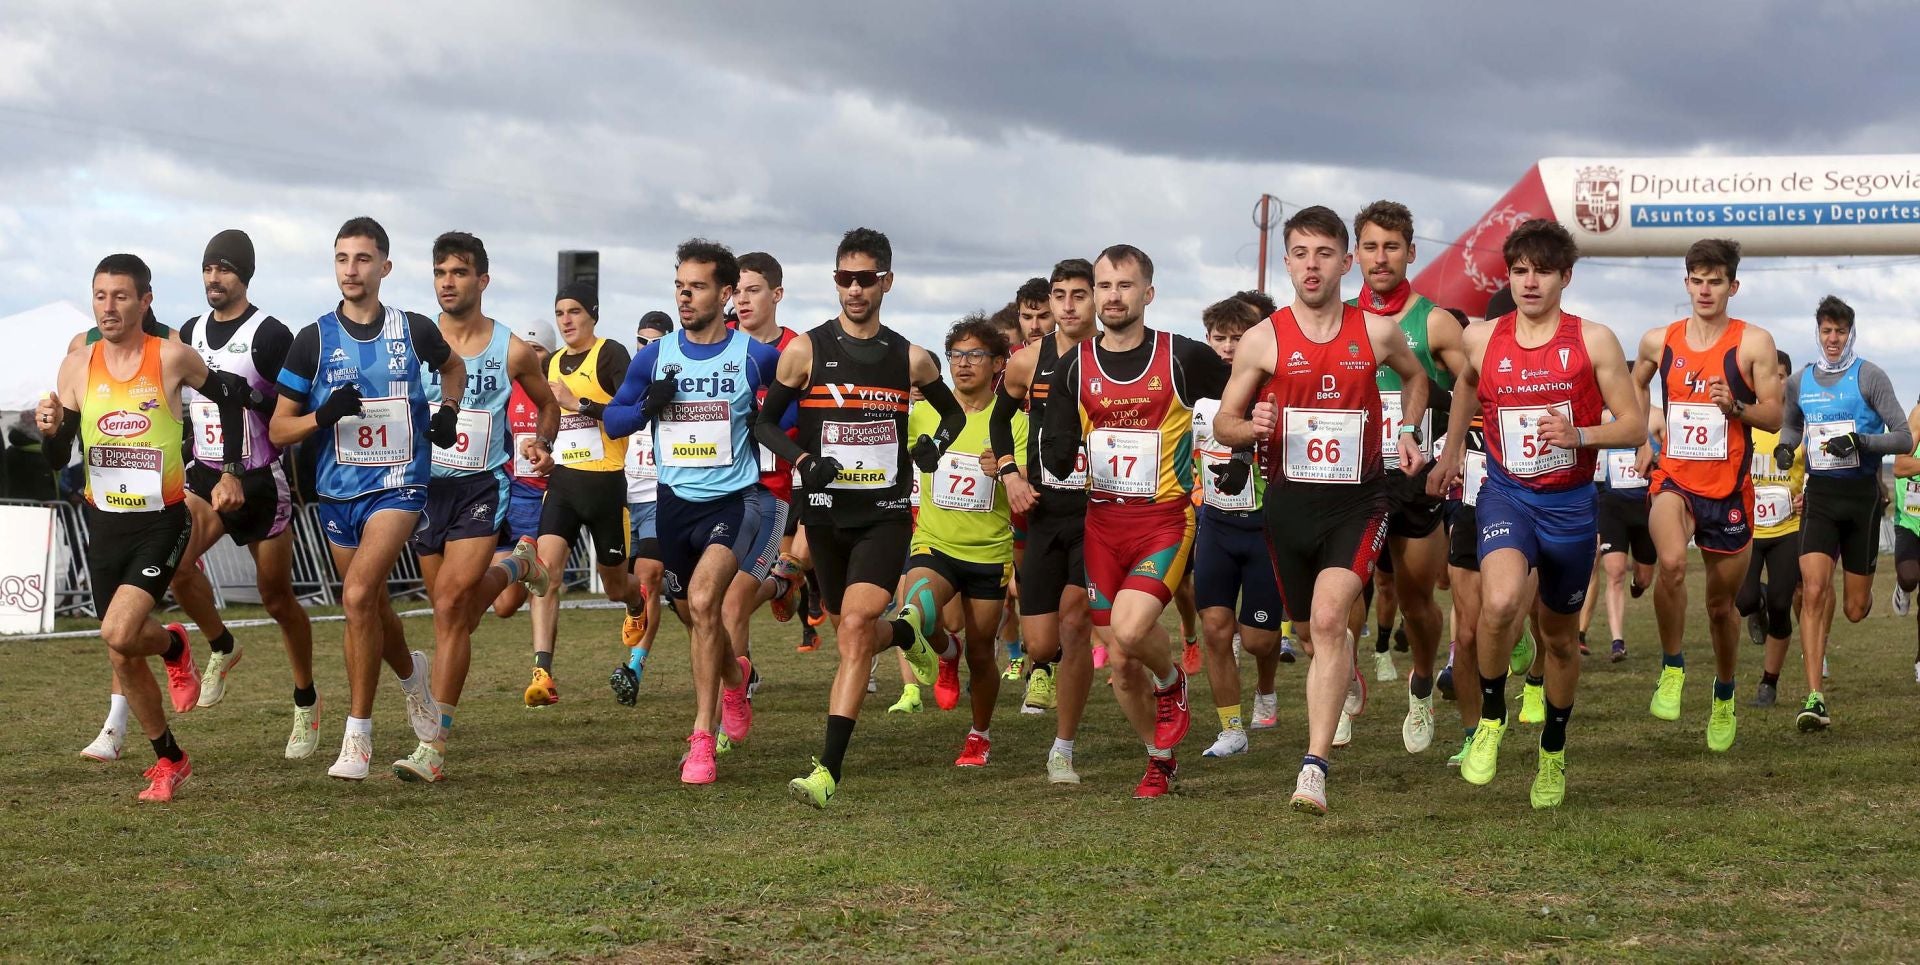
(35, 340)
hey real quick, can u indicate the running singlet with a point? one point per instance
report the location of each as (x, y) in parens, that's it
(1836, 411)
(1906, 503)
(855, 411)
(385, 447)
(1057, 494)
(209, 442)
(1518, 385)
(963, 511)
(583, 443)
(1473, 463)
(702, 439)
(1773, 490)
(481, 445)
(1413, 324)
(131, 436)
(1242, 507)
(1138, 433)
(1707, 454)
(523, 421)
(1329, 402)
(775, 473)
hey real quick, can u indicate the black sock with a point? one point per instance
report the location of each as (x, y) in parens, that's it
(164, 746)
(176, 645)
(1420, 687)
(902, 635)
(1382, 638)
(222, 643)
(1583, 638)
(1553, 737)
(1047, 666)
(1770, 679)
(305, 696)
(1533, 681)
(839, 732)
(1493, 698)
(543, 660)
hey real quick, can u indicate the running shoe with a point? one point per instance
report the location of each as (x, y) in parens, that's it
(1460, 755)
(1550, 780)
(1483, 752)
(1266, 711)
(1619, 651)
(1636, 588)
(356, 753)
(423, 766)
(1666, 693)
(698, 766)
(633, 626)
(543, 692)
(1231, 741)
(736, 712)
(815, 790)
(946, 686)
(1766, 696)
(1416, 732)
(183, 680)
(920, 655)
(1383, 669)
(165, 777)
(1533, 704)
(1721, 725)
(1040, 695)
(213, 682)
(305, 738)
(816, 614)
(1159, 778)
(1190, 658)
(1444, 682)
(1583, 646)
(1356, 704)
(1522, 657)
(809, 639)
(533, 573)
(1343, 731)
(1099, 656)
(1286, 650)
(1310, 790)
(423, 712)
(1813, 714)
(974, 752)
(909, 702)
(1916, 671)
(1824, 671)
(753, 680)
(625, 684)
(1060, 769)
(1171, 716)
(1902, 600)
(785, 605)
(106, 746)
(1015, 667)
(721, 745)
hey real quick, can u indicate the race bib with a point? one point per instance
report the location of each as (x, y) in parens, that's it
(1124, 462)
(960, 485)
(381, 435)
(1390, 428)
(1772, 505)
(1817, 435)
(1209, 484)
(868, 452)
(767, 461)
(579, 440)
(126, 479)
(209, 438)
(1323, 445)
(640, 461)
(1623, 469)
(1473, 475)
(1696, 431)
(1078, 480)
(696, 435)
(521, 466)
(1524, 453)
(472, 443)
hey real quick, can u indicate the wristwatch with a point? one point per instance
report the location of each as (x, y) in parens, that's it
(232, 468)
(1006, 468)
(1412, 430)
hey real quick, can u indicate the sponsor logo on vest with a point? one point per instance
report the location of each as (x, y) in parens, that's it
(123, 424)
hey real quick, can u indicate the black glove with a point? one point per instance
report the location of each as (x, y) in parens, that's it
(1842, 446)
(1231, 476)
(344, 401)
(444, 429)
(817, 472)
(1783, 457)
(232, 387)
(660, 392)
(925, 453)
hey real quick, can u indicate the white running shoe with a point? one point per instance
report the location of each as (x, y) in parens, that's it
(107, 746)
(356, 754)
(305, 738)
(1266, 711)
(1902, 600)
(1060, 769)
(1343, 731)
(1230, 742)
(1383, 669)
(873, 676)
(423, 766)
(423, 712)
(1356, 695)
(213, 681)
(1416, 732)
(1916, 671)
(1310, 790)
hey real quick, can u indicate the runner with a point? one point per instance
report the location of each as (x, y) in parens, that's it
(1266, 704)
(643, 532)
(1906, 534)
(355, 374)
(1055, 630)
(851, 376)
(1135, 390)
(529, 485)
(1232, 564)
(697, 390)
(1626, 544)
(122, 396)
(1463, 576)
(1845, 408)
(1542, 377)
(1776, 548)
(467, 492)
(1719, 381)
(587, 488)
(1309, 372)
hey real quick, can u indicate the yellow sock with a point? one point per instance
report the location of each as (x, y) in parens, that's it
(1230, 718)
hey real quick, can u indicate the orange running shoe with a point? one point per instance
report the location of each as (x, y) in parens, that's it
(946, 687)
(1190, 657)
(183, 678)
(633, 629)
(166, 776)
(787, 604)
(542, 692)
(974, 752)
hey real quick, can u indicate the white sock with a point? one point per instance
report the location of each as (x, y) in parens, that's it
(1159, 684)
(117, 714)
(1164, 753)
(977, 732)
(1064, 747)
(360, 725)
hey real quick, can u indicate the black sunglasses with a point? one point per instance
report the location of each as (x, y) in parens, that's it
(865, 279)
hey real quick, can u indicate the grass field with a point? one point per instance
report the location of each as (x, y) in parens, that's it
(564, 833)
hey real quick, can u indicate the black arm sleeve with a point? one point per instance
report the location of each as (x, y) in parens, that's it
(1204, 374)
(953, 418)
(613, 365)
(1000, 423)
(234, 395)
(271, 343)
(766, 422)
(428, 343)
(1060, 425)
(302, 364)
(58, 448)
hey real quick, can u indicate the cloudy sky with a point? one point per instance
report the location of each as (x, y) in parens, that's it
(989, 139)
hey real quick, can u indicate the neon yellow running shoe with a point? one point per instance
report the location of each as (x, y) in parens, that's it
(1015, 668)
(816, 789)
(1483, 753)
(1550, 781)
(909, 702)
(920, 656)
(1533, 704)
(1522, 655)
(1039, 698)
(722, 744)
(1460, 756)
(1721, 726)
(1666, 693)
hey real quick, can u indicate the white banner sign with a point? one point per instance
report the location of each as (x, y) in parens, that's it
(27, 552)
